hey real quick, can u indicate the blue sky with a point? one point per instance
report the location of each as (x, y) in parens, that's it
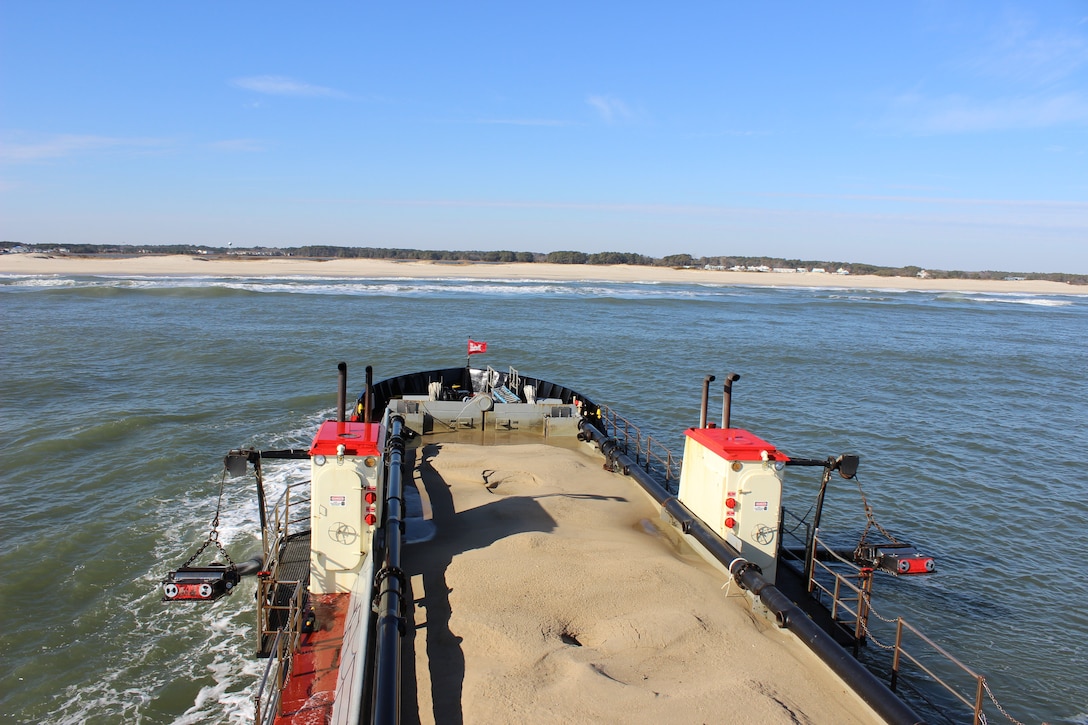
(950, 135)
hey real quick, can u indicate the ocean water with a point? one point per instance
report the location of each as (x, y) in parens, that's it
(120, 396)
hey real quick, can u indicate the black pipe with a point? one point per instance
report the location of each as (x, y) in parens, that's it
(874, 692)
(392, 585)
(706, 398)
(249, 567)
(341, 391)
(368, 394)
(810, 540)
(727, 401)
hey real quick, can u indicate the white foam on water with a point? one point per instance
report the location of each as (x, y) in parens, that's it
(1011, 298)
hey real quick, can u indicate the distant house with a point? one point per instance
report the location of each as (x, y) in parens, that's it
(842, 270)
(819, 270)
(922, 274)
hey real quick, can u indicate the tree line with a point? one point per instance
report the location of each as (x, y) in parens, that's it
(324, 251)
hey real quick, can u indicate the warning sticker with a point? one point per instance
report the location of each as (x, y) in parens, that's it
(338, 500)
(761, 506)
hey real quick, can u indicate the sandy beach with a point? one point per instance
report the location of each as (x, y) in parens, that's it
(173, 265)
(553, 592)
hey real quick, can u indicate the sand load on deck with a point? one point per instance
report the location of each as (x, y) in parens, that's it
(553, 593)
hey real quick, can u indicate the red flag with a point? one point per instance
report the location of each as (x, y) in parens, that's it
(474, 348)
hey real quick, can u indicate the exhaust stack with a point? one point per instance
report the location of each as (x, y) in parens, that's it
(341, 391)
(706, 397)
(727, 402)
(368, 394)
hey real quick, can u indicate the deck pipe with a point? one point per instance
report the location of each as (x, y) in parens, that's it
(368, 395)
(727, 399)
(392, 585)
(706, 398)
(341, 391)
(787, 614)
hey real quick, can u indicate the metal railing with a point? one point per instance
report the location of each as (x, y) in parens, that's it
(791, 540)
(851, 605)
(286, 514)
(651, 454)
(284, 517)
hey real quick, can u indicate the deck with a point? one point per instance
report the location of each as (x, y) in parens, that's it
(553, 592)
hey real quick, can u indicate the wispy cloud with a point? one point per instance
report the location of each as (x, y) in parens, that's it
(1018, 74)
(715, 210)
(916, 113)
(939, 200)
(1018, 50)
(285, 86)
(610, 109)
(65, 145)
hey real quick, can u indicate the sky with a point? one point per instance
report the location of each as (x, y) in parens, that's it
(947, 135)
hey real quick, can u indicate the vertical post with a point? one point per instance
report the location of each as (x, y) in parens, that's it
(810, 545)
(256, 457)
(898, 648)
(810, 559)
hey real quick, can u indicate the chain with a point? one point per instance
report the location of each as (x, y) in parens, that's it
(997, 704)
(870, 518)
(213, 535)
(874, 640)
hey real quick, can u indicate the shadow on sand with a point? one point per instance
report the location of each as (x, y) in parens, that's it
(456, 533)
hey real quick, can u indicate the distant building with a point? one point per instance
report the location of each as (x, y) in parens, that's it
(784, 270)
(922, 274)
(842, 270)
(819, 270)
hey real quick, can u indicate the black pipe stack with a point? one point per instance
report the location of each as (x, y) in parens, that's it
(706, 400)
(368, 395)
(341, 391)
(727, 400)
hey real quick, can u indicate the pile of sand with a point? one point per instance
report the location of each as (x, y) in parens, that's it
(552, 593)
